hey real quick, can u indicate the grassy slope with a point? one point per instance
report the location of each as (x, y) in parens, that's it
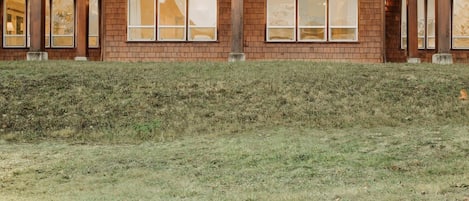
(131, 102)
(245, 131)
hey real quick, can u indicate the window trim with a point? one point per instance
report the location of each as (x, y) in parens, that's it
(327, 27)
(190, 27)
(129, 26)
(157, 27)
(330, 27)
(5, 34)
(453, 37)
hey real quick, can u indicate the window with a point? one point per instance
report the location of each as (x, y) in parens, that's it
(63, 23)
(460, 34)
(141, 20)
(60, 23)
(312, 20)
(14, 29)
(174, 20)
(426, 25)
(93, 26)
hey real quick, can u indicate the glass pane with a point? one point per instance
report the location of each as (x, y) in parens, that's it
(202, 34)
(93, 41)
(343, 34)
(62, 41)
(93, 29)
(172, 12)
(421, 42)
(343, 12)
(421, 19)
(281, 12)
(312, 34)
(203, 13)
(48, 23)
(15, 41)
(63, 22)
(141, 12)
(460, 42)
(404, 18)
(282, 34)
(15, 23)
(171, 34)
(460, 23)
(404, 42)
(431, 42)
(141, 34)
(312, 12)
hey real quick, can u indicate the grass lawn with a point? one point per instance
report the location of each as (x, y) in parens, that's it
(233, 131)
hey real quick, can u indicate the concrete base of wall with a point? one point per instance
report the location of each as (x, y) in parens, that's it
(442, 58)
(234, 57)
(413, 60)
(81, 58)
(37, 56)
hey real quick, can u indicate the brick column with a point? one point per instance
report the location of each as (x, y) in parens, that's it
(443, 35)
(412, 32)
(237, 32)
(37, 42)
(82, 30)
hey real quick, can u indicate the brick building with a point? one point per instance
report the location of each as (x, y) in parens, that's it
(369, 31)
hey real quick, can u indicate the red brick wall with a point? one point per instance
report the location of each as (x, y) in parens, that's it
(367, 49)
(116, 47)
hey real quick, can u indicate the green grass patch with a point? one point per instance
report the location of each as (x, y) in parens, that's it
(278, 164)
(120, 102)
(233, 131)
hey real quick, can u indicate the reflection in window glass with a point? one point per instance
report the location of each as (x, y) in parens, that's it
(460, 24)
(312, 20)
(14, 26)
(281, 20)
(404, 24)
(63, 23)
(202, 20)
(172, 19)
(421, 23)
(141, 20)
(93, 29)
(343, 16)
(431, 23)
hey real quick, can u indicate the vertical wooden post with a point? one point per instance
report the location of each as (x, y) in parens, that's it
(38, 21)
(443, 32)
(412, 32)
(443, 12)
(82, 13)
(237, 31)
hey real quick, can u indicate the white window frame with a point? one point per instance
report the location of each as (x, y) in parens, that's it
(191, 26)
(282, 27)
(453, 37)
(129, 26)
(52, 35)
(5, 31)
(326, 21)
(184, 27)
(89, 24)
(355, 26)
(327, 27)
